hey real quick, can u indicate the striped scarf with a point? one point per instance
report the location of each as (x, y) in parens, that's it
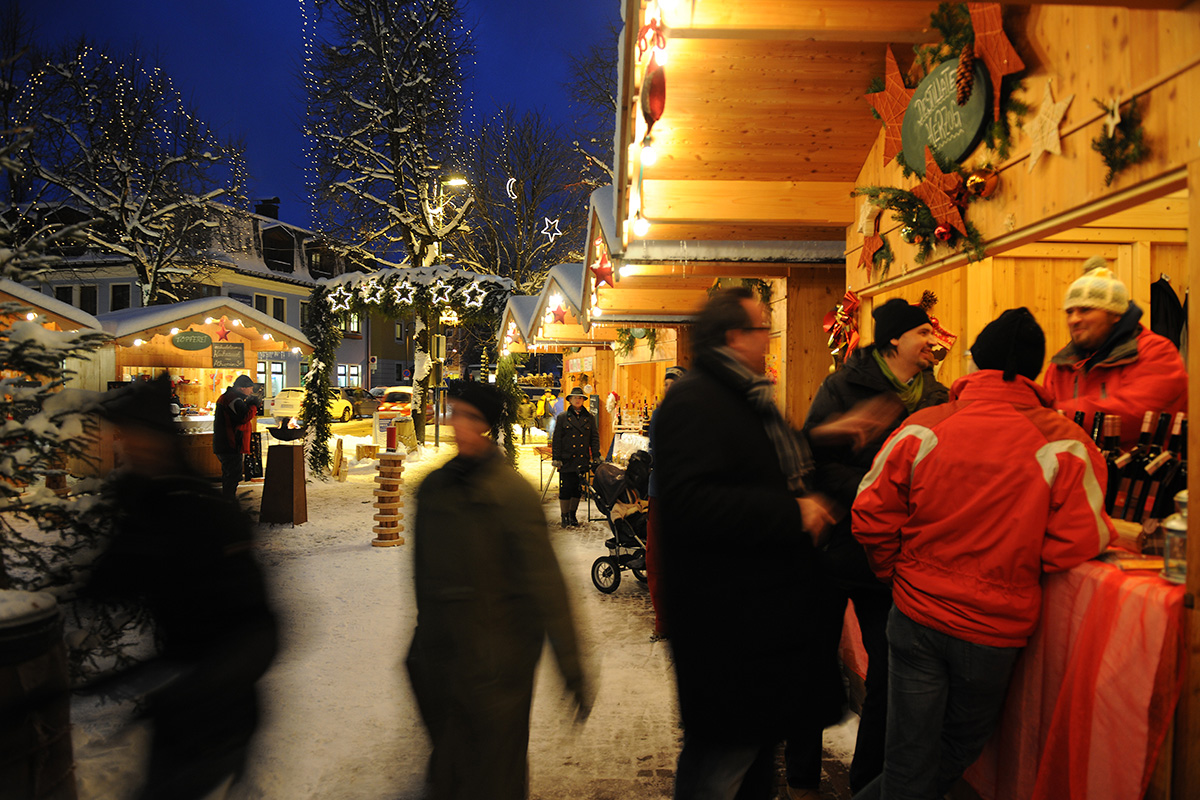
(795, 459)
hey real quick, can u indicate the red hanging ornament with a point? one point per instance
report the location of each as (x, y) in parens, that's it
(654, 93)
(560, 314)
(943, 232)
(603, 271)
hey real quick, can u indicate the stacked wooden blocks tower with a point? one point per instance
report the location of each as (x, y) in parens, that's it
(389, 504)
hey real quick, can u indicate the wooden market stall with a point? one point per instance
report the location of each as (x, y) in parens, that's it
(761, 129)
(204, 344)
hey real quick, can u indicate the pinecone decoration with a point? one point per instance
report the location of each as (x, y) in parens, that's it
(964, 76)
(928, 301)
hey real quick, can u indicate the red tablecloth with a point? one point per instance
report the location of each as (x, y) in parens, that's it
(1093, 694)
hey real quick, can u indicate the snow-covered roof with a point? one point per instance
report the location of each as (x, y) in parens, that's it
(603, 203)
(252, 265)
(37, 300)
(570, 280)
(643, 251)
(132, 321)
(521, 309)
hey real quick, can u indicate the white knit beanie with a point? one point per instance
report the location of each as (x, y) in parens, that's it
(1098, 288)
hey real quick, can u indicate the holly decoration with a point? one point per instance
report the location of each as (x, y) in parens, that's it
(1124, 146)
(890, 105)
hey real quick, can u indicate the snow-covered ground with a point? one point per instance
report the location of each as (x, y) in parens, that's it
(340, 718)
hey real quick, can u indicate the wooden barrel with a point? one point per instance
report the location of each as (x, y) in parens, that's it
(36, 760)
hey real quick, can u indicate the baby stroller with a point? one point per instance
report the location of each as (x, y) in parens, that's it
(620, 496)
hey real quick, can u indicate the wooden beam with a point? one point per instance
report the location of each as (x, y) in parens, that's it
(1120, 235)
(1070, 250)
(1162, 212)
(791, 202)
(834, 20)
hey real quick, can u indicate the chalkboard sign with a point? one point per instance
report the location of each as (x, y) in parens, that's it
(935, 118)
(228, 355)
(594, 405)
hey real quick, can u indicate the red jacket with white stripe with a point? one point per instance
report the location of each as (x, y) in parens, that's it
(968, 504)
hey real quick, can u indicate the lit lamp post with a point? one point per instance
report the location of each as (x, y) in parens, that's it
(437, 353)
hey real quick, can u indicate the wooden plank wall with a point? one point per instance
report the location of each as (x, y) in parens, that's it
(811, 292)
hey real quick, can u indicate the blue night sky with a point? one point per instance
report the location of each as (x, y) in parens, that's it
(237, 63)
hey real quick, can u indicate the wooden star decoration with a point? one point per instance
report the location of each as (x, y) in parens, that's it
(935, 191)
(992, 45)
(603, 271)
(1043, 131)
(559, 314)
(222, 332)
(1113, 118)
(870, 246)
(891, 104)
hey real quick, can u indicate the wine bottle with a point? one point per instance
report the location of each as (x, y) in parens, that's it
(1114, 457)
(1098, 429)
(1173, 474)
(1081, 419)
(1144, 469)
(1129, 461)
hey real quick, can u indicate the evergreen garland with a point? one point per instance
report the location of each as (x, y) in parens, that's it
(884, 257)
(1126, 146)
(324, 330)
(911, 212)
(506, 382)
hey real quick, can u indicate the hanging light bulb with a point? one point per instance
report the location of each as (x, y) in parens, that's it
(138, 342)
(641, 225)
(597, 311)
(31, 316)
(174, 331)
(556, 300)
(649, 154)
(209, 320)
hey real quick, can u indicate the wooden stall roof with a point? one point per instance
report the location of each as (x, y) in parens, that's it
(144, 323)
(62, 315)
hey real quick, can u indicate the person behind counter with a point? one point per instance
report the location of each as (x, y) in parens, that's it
(965, 507)
(1113, 364)
(233, 422)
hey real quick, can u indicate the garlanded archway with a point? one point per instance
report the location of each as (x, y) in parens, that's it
(425, 293)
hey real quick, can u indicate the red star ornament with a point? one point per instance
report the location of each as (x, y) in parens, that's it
(993, 47)
(560, 314)
(603, 271)
(222, 332)
(891, 104)
(870, 246)
(933, 192)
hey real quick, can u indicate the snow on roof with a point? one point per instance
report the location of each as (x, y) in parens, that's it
(570, 279)
(642, 250)
(252, 265)
(522, 308)
(38, 300)
(603, 204)
(130, 321)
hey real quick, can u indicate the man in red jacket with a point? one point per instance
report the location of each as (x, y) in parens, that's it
(1113, 363)
(965, 507)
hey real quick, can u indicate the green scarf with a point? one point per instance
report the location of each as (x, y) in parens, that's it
(909, 393)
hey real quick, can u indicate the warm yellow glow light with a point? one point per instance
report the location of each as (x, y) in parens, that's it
(31, 316)
(649, 155)
(138, 342)
(641, 226)
(174, 331)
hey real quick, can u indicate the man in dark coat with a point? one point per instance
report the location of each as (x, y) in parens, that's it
(896, 373)
(731, 490)
(185, 553)
(575, 449)
(233, 422)
(489, 593)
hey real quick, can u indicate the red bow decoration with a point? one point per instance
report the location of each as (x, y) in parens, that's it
(842, 326)
(650, 32)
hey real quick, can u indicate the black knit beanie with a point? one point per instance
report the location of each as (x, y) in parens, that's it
(486, 398)
(1013, 342)
(895, 318)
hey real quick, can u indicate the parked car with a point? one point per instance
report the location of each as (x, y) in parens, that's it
(397, 402)
(362, 402)
(289, 402)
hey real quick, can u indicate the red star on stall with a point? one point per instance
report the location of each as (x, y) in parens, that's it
(935, 192)
(870, 246)
(222, 332)
(603, 271)
(891, 104)
(993, 47)
(560, 314)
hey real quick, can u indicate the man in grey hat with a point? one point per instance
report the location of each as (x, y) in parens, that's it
(233, 422)
(575, 448)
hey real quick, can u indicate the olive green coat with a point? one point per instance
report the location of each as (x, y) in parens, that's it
(489, 592)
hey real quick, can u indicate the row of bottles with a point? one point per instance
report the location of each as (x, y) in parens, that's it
(1142, 482)
(635, 415)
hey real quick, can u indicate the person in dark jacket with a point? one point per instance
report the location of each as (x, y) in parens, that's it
(896, 375)
(489, 593)
(745, 664)
(575, 449)
(233, 422)
(186, 554)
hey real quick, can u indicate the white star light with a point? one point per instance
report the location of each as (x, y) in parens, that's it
(371, 292)
(551, 229)
(404, 292)
(340, 298)
(440, 292)
(474, 295)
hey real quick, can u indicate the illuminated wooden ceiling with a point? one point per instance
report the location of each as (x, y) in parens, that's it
(764, 129)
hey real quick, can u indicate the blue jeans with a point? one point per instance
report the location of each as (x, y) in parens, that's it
(945, 696)
(712, 770)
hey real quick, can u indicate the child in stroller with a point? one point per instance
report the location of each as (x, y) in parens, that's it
(620, 496)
